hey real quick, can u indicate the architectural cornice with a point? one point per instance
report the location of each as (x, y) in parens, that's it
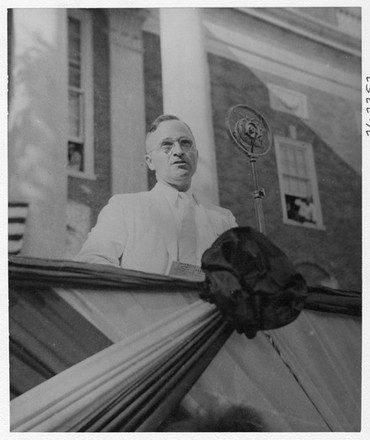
(296, 21)
(237, 34)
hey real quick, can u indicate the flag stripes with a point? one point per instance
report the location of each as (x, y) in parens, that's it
(17, 215)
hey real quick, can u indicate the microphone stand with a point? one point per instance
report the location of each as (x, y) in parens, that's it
(249, 130)
(258, 194)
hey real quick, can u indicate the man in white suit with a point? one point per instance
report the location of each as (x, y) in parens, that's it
(152, 231)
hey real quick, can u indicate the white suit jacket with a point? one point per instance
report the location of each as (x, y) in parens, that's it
(138, 231)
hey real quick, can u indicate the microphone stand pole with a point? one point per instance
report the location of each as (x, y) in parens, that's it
(249, 130)
(258, 194)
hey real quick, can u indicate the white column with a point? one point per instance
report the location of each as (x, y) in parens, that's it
(129, 171)
(186, 88)
(38, 126)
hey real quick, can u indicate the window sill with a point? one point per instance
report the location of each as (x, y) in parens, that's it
(81, 174)
(319, 227)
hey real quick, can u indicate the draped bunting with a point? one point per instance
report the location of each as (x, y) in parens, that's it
(47, 336)
(26, 271)
(164, 337)
(328, 364)
(135, 374)
(325, 299)
(300, 386)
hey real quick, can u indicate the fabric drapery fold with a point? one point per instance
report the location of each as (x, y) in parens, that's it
(325, 299)
(28, 272)
(71, 399)
(334, 342)
(46, 337)
(162, 390)
(168, 345)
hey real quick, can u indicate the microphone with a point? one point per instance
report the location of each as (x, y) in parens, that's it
(249, 130)
(252, 135)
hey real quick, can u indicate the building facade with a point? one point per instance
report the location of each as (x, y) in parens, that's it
(84, 87)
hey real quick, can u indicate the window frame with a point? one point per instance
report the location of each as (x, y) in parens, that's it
(311, 170)
(86, 89)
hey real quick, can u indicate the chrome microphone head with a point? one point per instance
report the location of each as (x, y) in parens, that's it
(249, 130)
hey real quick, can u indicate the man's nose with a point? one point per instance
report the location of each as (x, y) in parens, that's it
(177, 148)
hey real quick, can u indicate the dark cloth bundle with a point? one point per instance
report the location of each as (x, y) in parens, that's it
(252, 282)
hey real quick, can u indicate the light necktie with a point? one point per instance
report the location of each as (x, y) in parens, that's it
(187, 239)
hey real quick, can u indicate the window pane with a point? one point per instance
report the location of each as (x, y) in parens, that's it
(75, 156)
(293, 161)
(74, 76)
(288, 160)
(74, 51)
(300, 209)
(288, 185)
(303, 188)
(284, 161)
(74, 26)
(292, 167)
(74, 34)
(302, 170)
(74, 114)
(296, 186)
(301, 164)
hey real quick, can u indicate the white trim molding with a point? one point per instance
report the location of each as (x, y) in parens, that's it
(288, 101)
(298, 21)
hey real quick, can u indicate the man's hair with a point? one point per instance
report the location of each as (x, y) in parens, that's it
(162, 118)
(154, 125)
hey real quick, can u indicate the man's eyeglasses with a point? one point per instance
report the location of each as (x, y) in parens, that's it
(167, 145)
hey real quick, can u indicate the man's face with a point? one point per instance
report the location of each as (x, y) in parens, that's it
(172, 154)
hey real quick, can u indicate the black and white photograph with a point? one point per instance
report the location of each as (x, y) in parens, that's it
(185, 217)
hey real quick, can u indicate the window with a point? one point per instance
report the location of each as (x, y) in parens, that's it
(298, 184)
(80, 99)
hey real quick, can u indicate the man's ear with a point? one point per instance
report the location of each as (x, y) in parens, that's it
(149, 162)
(197, 157)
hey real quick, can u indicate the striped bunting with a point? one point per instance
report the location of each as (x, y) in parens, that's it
(17, 215)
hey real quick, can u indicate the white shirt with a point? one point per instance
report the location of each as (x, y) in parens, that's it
(202, 221)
